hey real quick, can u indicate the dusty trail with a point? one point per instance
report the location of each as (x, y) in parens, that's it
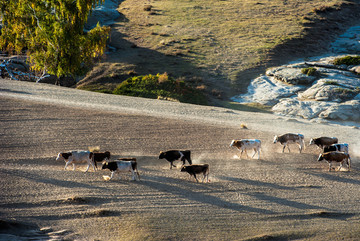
(284, 196)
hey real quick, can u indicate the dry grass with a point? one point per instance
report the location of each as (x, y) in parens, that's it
(225, 42)
(228, 35)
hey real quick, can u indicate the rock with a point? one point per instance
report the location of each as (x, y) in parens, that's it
(303, 109)
(267, 91)
(356, 69)
(328, 90)
(105, 14)
(290, 75)
(347, 111)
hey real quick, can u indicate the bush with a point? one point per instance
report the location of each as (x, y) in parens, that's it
(347, 60)
(309, 71)
(160, 86)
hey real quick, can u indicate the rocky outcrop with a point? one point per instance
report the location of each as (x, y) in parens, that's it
(331, 91)
(105, 14)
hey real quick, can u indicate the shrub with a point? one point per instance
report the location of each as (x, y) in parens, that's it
(309, 71)
(347, 60)
(160, 86)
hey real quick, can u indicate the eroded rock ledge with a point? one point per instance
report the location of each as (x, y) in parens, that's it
(331, 92)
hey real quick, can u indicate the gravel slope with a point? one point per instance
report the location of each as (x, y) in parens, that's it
(281, 196)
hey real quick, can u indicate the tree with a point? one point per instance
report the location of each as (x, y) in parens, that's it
(52, 33)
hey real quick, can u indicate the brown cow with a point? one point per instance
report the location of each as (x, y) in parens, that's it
(336, 156)
(197, 169)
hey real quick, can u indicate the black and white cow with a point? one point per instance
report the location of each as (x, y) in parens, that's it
(197, 169)
(174, 155)
(336, 156)
(290, 138)
(323, 141)
(342, 147)
(75, 157)
(247, 144)
(122, 166)
(101, 157)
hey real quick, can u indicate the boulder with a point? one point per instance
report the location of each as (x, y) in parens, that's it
(267, 91)
(290, 75)
(303, 109)
(105, 14)
(329, 90)
(347, 111)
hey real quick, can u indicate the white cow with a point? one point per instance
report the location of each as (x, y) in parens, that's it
(290, 138)
(122, 166)
(75, 157)
(247, 144)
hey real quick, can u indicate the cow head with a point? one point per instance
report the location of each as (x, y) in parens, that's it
(162, 155)
(105, 165)
(276, 138)
(183, 169)
(63, 156)
(232, 143)
(321, 157)
(312, 142)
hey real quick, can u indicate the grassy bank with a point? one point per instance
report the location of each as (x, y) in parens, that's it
(226, 43)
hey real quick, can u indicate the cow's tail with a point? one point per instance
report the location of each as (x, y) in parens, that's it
(187, 155)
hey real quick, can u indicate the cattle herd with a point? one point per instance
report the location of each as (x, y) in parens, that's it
(331, 151)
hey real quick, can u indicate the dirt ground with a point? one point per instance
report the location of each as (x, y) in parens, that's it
(282, 196)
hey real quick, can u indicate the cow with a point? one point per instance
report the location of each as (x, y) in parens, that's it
(122, 166)
(101, 157)
(174, 155)
(342, 147)
(247, 144)
(290, 138)
(75, 157)
(197, 169)
(336, 156)
(323, 141)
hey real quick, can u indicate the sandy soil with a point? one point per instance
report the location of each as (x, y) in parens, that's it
(282, 196)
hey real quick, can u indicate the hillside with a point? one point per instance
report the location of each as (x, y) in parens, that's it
(218, 46)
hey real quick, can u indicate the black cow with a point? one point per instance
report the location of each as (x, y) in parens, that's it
(174, 155)
(101, 156)
(197, 169)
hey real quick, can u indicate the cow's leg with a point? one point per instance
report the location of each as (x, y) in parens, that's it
(247, 156)
(241, 153)
(300, 147)
(196, 177)
(74, 167)
(288, 146)
(112, 175)
(255, 150)
(133, 174)
(330, 166)
(87, 169)
(138, 175)
(283, 148)
(66, 164)
(171, 165)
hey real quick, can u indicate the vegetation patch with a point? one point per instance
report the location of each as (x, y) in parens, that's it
(160, 86)
(311, 71)
(331, 82)
(348, 60)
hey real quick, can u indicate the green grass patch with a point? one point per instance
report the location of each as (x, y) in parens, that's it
(311, 71)
(347, 60)
(160, 86)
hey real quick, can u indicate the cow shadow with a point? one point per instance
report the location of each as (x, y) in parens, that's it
(185, 190)
(256, 183)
